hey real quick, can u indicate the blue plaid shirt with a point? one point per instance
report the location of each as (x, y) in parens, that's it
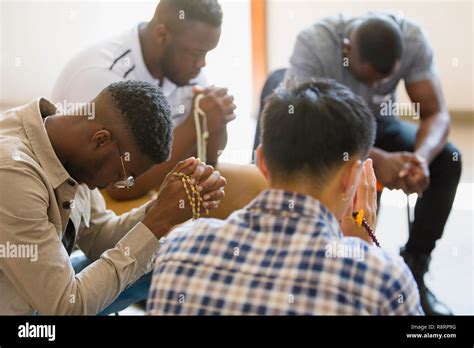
(282, 254)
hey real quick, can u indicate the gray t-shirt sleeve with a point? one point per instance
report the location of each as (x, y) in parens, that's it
(305, 64)
(421, 64)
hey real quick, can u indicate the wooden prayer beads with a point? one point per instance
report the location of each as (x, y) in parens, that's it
(194, 196)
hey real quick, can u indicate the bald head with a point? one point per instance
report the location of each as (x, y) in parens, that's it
(175, 14)
(379, 42)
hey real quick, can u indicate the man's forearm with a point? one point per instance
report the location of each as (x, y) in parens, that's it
(432, 135)
(434, 127)
(217, 143)
(376, 155)
(430, 138)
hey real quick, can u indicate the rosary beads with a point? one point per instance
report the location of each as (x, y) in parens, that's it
(362, 222)
(194, 196)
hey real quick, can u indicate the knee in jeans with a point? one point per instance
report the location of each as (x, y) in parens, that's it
(450, 160)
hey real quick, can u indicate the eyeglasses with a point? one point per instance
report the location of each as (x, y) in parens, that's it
(126, 182)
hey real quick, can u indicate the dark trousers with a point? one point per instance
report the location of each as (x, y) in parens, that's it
(432, 210)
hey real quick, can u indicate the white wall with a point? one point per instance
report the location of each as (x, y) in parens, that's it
(38, 38)
(449, 25)
(230, 65)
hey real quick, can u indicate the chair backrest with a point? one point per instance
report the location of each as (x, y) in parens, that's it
(272, 82)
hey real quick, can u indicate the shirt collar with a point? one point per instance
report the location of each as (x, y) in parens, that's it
(277, 201)
(32, 118)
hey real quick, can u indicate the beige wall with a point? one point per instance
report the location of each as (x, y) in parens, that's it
(449, 25)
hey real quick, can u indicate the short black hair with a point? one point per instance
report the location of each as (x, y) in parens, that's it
(146, 114)
(170, 12)
(380, 43)
(312, 129)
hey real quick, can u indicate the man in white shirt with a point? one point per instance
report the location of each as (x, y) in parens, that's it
(168, 51)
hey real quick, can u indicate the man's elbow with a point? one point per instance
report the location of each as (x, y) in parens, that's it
(212, 160)
(444, 122)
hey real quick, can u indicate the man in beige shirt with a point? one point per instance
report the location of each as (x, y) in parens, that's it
(51, 167)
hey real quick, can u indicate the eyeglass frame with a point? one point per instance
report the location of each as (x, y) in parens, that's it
(127, 181)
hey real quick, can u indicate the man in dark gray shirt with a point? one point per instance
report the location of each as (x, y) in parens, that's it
(371, 54)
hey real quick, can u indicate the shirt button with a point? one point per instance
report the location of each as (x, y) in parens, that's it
(71, 182)
(68, 204)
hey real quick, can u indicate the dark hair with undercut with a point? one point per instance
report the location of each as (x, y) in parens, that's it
(172, 12)
(146, 114)
(313, 129)
(380, 43)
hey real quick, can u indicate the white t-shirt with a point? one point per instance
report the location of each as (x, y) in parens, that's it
(113, 60)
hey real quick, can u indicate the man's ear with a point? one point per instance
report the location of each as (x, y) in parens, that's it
(162, 35)
(261, 164)
(101, 138)
(350, 177)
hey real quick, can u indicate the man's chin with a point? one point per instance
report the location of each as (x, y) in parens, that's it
(180, 82)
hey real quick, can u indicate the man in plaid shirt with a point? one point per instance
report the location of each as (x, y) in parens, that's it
(295, 248)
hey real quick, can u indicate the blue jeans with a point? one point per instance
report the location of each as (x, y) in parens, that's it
(135, 292)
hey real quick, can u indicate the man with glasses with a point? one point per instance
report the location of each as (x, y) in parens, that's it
(168, 51)
(371, 54)
(51, 167)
